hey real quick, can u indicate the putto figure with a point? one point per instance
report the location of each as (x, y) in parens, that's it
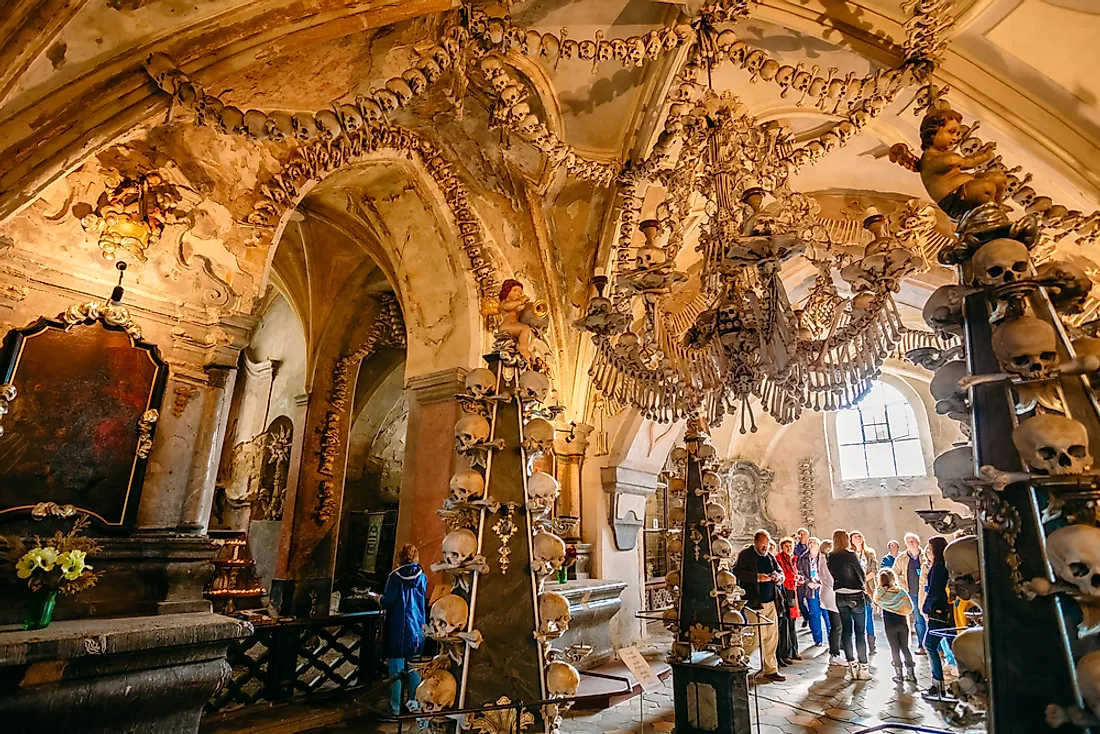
(520, 318)
(944, 172)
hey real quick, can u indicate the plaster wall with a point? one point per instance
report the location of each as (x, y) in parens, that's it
(279, 338)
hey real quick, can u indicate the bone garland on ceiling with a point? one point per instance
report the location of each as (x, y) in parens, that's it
(716, 165)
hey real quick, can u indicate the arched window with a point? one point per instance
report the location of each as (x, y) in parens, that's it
(880, 437)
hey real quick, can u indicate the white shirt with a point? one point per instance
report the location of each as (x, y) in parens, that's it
(828, 596)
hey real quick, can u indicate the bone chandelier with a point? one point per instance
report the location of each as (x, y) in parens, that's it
(739, 337)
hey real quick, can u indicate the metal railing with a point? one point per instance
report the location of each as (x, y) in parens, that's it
(888, 727)
(287, 659)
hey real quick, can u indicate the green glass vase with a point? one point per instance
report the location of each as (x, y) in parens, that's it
(39, 612)
(563, 576)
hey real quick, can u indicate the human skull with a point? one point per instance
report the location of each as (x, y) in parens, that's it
(449, 612)
(672, 579)
(542, 486)
(679, 455)
(562, 680)
(436, 692)
(961, 557)
(722, 548)
(673, 543)
(400, 89)
(715, 512)
(554, 612)
(305, 127)
(952, 469)
(467, 485)
(231, 121)
(416, 80)
(533, 386)
(430, 68)
(969, 649)
(459, 546)
(711, 482)
(943, 310)
(1088, 680)
(386, 99)
(733, 616)
(1001, 261)
(706, 452)
(328, 125)
(1074, 552)
(1026, 346)
(369, 109)
(255, 123)
(350, 117)
(539, 430)
(481, 382)
(726, 581)
(1053, 444)
(550, 47)
(470, 431)
(280, 125)
(945, 388)
(549, 551)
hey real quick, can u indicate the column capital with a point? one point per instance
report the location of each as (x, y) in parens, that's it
(436, 387)
(574, 448)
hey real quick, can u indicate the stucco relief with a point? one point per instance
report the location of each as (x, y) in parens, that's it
(748, 486)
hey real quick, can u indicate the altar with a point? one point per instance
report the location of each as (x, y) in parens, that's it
(592, 604)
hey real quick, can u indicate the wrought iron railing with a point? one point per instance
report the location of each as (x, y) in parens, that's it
(288, 659)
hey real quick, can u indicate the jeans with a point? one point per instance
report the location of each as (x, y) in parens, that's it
(897, 634)
(834, 625)
(853, 619)
(932, 645)
(814, 616)
(396, 666)
(918, 620)
(869, 623)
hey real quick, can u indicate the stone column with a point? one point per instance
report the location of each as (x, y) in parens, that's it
(430, 459)
(255, 391)
(570, 451)
(204, 467)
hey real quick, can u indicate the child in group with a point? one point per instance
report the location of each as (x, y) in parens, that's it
(896, 608)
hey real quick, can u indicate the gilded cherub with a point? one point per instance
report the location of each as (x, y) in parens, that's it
(944, 171)
(519, 317)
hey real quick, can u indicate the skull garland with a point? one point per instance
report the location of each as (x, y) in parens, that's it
(554, 614)
(964, 566)
(1027, 347)
(459, 548)
(1053, 445)
(548, 552)
(436, 692)
(1000, 262)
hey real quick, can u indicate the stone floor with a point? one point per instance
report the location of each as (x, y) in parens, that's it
(808, 701)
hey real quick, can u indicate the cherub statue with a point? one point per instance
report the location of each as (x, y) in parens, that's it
(513, 305)
(944, 171)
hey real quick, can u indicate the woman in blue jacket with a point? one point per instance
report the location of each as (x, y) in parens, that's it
(405, 602)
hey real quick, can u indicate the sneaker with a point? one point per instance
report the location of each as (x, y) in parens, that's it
(933, 691)
(836, 660)
(863, 672)
(911, 673)
(853, 670)
(899, 676)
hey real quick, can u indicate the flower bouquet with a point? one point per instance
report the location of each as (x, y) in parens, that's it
(570, 559)
(52, 566)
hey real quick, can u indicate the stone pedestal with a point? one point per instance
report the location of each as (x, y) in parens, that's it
(142, 675)
(710, 697)
(430, 459)
(592, 603)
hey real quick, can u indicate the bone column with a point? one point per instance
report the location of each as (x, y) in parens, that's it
(570, 451)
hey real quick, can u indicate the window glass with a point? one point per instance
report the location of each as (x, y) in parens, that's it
(879, 437)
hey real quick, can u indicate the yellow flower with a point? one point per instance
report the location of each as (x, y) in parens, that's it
(48, 557)
(72, 564)
(35, 558)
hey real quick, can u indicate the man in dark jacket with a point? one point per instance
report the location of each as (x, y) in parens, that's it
(757, 572)
(405, 602)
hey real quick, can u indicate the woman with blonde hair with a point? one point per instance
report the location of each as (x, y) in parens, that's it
(868, 561)
(896, 608)
(851, 600)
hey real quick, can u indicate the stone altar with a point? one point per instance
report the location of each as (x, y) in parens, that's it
(592, 603)
(143, 675)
